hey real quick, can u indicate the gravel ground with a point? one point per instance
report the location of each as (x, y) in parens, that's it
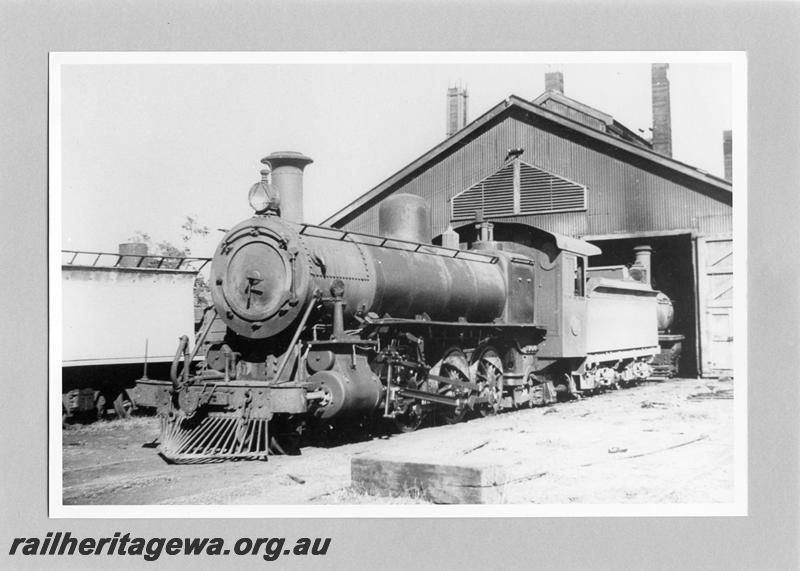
(669, 442)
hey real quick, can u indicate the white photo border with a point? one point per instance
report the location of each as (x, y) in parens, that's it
(739, 507)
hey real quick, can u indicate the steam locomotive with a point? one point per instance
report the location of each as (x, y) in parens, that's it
(328, 326)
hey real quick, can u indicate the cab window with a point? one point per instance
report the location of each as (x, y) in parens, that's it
(579, 277)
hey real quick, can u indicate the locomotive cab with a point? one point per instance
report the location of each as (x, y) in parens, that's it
(562, 298)
(546, 280)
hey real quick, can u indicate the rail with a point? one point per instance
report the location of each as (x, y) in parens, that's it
(141, 261)
(394, 243)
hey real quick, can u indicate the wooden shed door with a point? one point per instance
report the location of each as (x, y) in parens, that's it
(715, 269)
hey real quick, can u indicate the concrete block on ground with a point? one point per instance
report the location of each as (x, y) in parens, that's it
(439, 483)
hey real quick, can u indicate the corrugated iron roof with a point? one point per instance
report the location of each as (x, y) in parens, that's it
(612, 126)
(515, 103)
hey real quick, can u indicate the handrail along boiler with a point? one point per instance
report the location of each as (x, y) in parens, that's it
(329, 326)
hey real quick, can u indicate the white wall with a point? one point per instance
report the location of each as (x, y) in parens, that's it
(108, 313)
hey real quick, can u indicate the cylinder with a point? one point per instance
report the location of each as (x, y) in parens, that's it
(347, 393)
(643, 254)
(133, 254)
(404, 216)
(287, 179)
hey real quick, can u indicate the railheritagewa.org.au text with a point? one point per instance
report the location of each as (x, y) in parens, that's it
(64, 544)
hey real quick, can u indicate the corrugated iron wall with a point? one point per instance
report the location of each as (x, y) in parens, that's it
(622, 197)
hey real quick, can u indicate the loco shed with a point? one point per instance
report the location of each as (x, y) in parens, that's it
(558, 164)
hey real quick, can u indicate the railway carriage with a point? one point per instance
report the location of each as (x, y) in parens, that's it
(110, 302)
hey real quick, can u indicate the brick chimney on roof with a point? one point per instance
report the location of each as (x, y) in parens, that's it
(727, 153)
(662, 129)
(456, 109)
(554, 81)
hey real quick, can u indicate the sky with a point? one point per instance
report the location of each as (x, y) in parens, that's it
(143, 146)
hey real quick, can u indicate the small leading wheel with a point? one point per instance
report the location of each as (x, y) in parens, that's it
(489, 375)
(410, 419)
(454, 366)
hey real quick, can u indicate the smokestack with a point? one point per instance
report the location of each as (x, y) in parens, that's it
(642, 264)
(456, 109)
(554, 81)
(287, 178)
(727, 153)
(662, 129)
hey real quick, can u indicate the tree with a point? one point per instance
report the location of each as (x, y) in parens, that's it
(191, 229)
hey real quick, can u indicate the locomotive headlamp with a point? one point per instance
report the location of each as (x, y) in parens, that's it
(263, 196)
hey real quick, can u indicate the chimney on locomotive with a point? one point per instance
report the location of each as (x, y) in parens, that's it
(640, 270)
(287, 181)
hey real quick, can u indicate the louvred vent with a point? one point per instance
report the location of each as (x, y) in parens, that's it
(529, 190)
(494, 196)
(541, 191)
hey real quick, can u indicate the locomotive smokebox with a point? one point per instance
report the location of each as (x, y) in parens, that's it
(405, 217)
(287, 178)
(666, 312)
